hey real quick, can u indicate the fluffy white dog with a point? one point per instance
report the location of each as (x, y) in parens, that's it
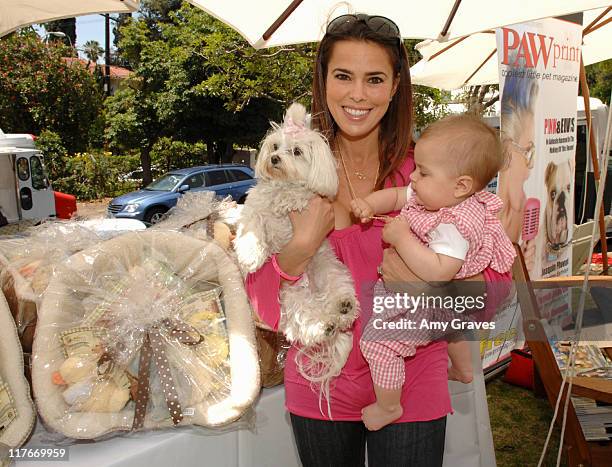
(294, 165)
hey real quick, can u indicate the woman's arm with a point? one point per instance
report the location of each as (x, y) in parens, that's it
(310, 227)
(399, 278)
(426, 263)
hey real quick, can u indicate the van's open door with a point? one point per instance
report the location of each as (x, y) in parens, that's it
(34, 192)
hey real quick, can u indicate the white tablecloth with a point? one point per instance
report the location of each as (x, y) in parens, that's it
(269, 444)
(468, 438)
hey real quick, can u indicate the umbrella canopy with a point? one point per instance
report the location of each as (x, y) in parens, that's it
(281, 22)
(15, 14)
(472, 60)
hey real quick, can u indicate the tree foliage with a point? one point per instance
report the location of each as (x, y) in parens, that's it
(599, 78)
(195, 79)
(40, 90)
(68, 27)
(93, 50)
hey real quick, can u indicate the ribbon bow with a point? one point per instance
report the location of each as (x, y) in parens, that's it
(154, 346)
(294, 129)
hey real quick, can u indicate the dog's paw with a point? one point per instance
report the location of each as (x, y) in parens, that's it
(330, 329)
(346, 306)
(344, 311)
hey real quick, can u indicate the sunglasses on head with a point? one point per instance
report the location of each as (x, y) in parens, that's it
(378, 24)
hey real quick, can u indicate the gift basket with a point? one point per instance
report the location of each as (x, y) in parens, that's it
(144, 331)
(201, 215)
(17, 414)
(27, 262)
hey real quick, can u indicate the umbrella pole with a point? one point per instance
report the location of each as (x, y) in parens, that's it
(281, 19)
(594, 159)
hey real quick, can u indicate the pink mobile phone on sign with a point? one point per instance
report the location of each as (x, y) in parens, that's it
(531, 219)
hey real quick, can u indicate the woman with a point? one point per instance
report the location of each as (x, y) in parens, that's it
(362, 102)
(518, 135)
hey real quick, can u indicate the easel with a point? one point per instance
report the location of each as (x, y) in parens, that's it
(580, 452)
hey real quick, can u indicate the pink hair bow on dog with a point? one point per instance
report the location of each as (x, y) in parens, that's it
(292, 128)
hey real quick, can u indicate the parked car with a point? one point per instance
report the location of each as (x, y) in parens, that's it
(150, 203)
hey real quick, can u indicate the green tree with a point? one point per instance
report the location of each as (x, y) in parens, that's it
(40, 90)
(599, 78)
(429, 103)
(92, 50)
(68, 27)
(195, 79)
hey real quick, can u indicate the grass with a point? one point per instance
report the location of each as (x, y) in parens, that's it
(520, 422)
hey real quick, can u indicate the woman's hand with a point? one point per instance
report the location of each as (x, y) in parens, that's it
(310, 227)
(397, 275)
(399, 278)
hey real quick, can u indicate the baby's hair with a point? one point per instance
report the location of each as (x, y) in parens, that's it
(473, 146)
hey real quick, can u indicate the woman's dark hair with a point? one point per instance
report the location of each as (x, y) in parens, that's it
(395, 135)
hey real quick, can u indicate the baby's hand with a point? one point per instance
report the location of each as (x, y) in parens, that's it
(396, 229)
(362, 209)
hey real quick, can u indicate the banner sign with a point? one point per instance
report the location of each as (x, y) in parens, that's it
(539, 65)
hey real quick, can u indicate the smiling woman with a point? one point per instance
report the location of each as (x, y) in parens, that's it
(362, 103)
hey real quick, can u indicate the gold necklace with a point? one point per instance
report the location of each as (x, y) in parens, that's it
(348, 179)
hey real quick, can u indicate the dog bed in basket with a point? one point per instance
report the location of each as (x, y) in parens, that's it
(16, 407)
(145, 331)
(26, 265)
(22, 300)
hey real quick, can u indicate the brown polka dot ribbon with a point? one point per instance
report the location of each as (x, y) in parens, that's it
(154, 347)
(210, 225)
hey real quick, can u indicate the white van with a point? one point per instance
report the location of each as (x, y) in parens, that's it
(25, 191)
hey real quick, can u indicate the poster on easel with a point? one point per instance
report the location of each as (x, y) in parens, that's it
(539, 66)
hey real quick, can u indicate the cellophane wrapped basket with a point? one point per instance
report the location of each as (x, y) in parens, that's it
(17, 413)
(26, 266)
(144, 331)
(201, 215)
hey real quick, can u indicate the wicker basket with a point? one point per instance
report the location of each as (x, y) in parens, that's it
(272, 347)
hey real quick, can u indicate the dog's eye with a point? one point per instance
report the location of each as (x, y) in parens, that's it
(274, 147)
(297, 152)
(553, 194)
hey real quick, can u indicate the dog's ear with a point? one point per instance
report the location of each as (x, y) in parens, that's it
(551, 168)
(323, 176)
(296, 113)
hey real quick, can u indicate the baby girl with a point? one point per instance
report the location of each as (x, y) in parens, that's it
(447, 230)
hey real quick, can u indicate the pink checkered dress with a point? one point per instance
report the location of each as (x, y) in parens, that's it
(475, 219)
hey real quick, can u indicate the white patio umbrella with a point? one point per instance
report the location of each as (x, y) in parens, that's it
(279, 22)
(15, 14)
(472, 60)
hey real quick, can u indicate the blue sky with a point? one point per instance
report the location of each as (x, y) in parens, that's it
(90, 27)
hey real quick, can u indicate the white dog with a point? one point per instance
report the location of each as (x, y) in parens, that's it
(558, 188)
(294, 165)
(556, 235)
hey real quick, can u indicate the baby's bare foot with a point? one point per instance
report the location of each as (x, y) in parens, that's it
(465, 376)
(376, 417)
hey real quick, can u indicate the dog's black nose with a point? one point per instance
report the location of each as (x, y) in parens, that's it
(275, 160)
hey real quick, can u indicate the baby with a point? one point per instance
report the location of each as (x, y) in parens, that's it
(447, 230)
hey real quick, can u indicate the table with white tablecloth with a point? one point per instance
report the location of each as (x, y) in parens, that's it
(266, 439)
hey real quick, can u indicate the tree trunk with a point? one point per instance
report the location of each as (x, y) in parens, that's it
(145, 161)
(228, 152)
(210, 152)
